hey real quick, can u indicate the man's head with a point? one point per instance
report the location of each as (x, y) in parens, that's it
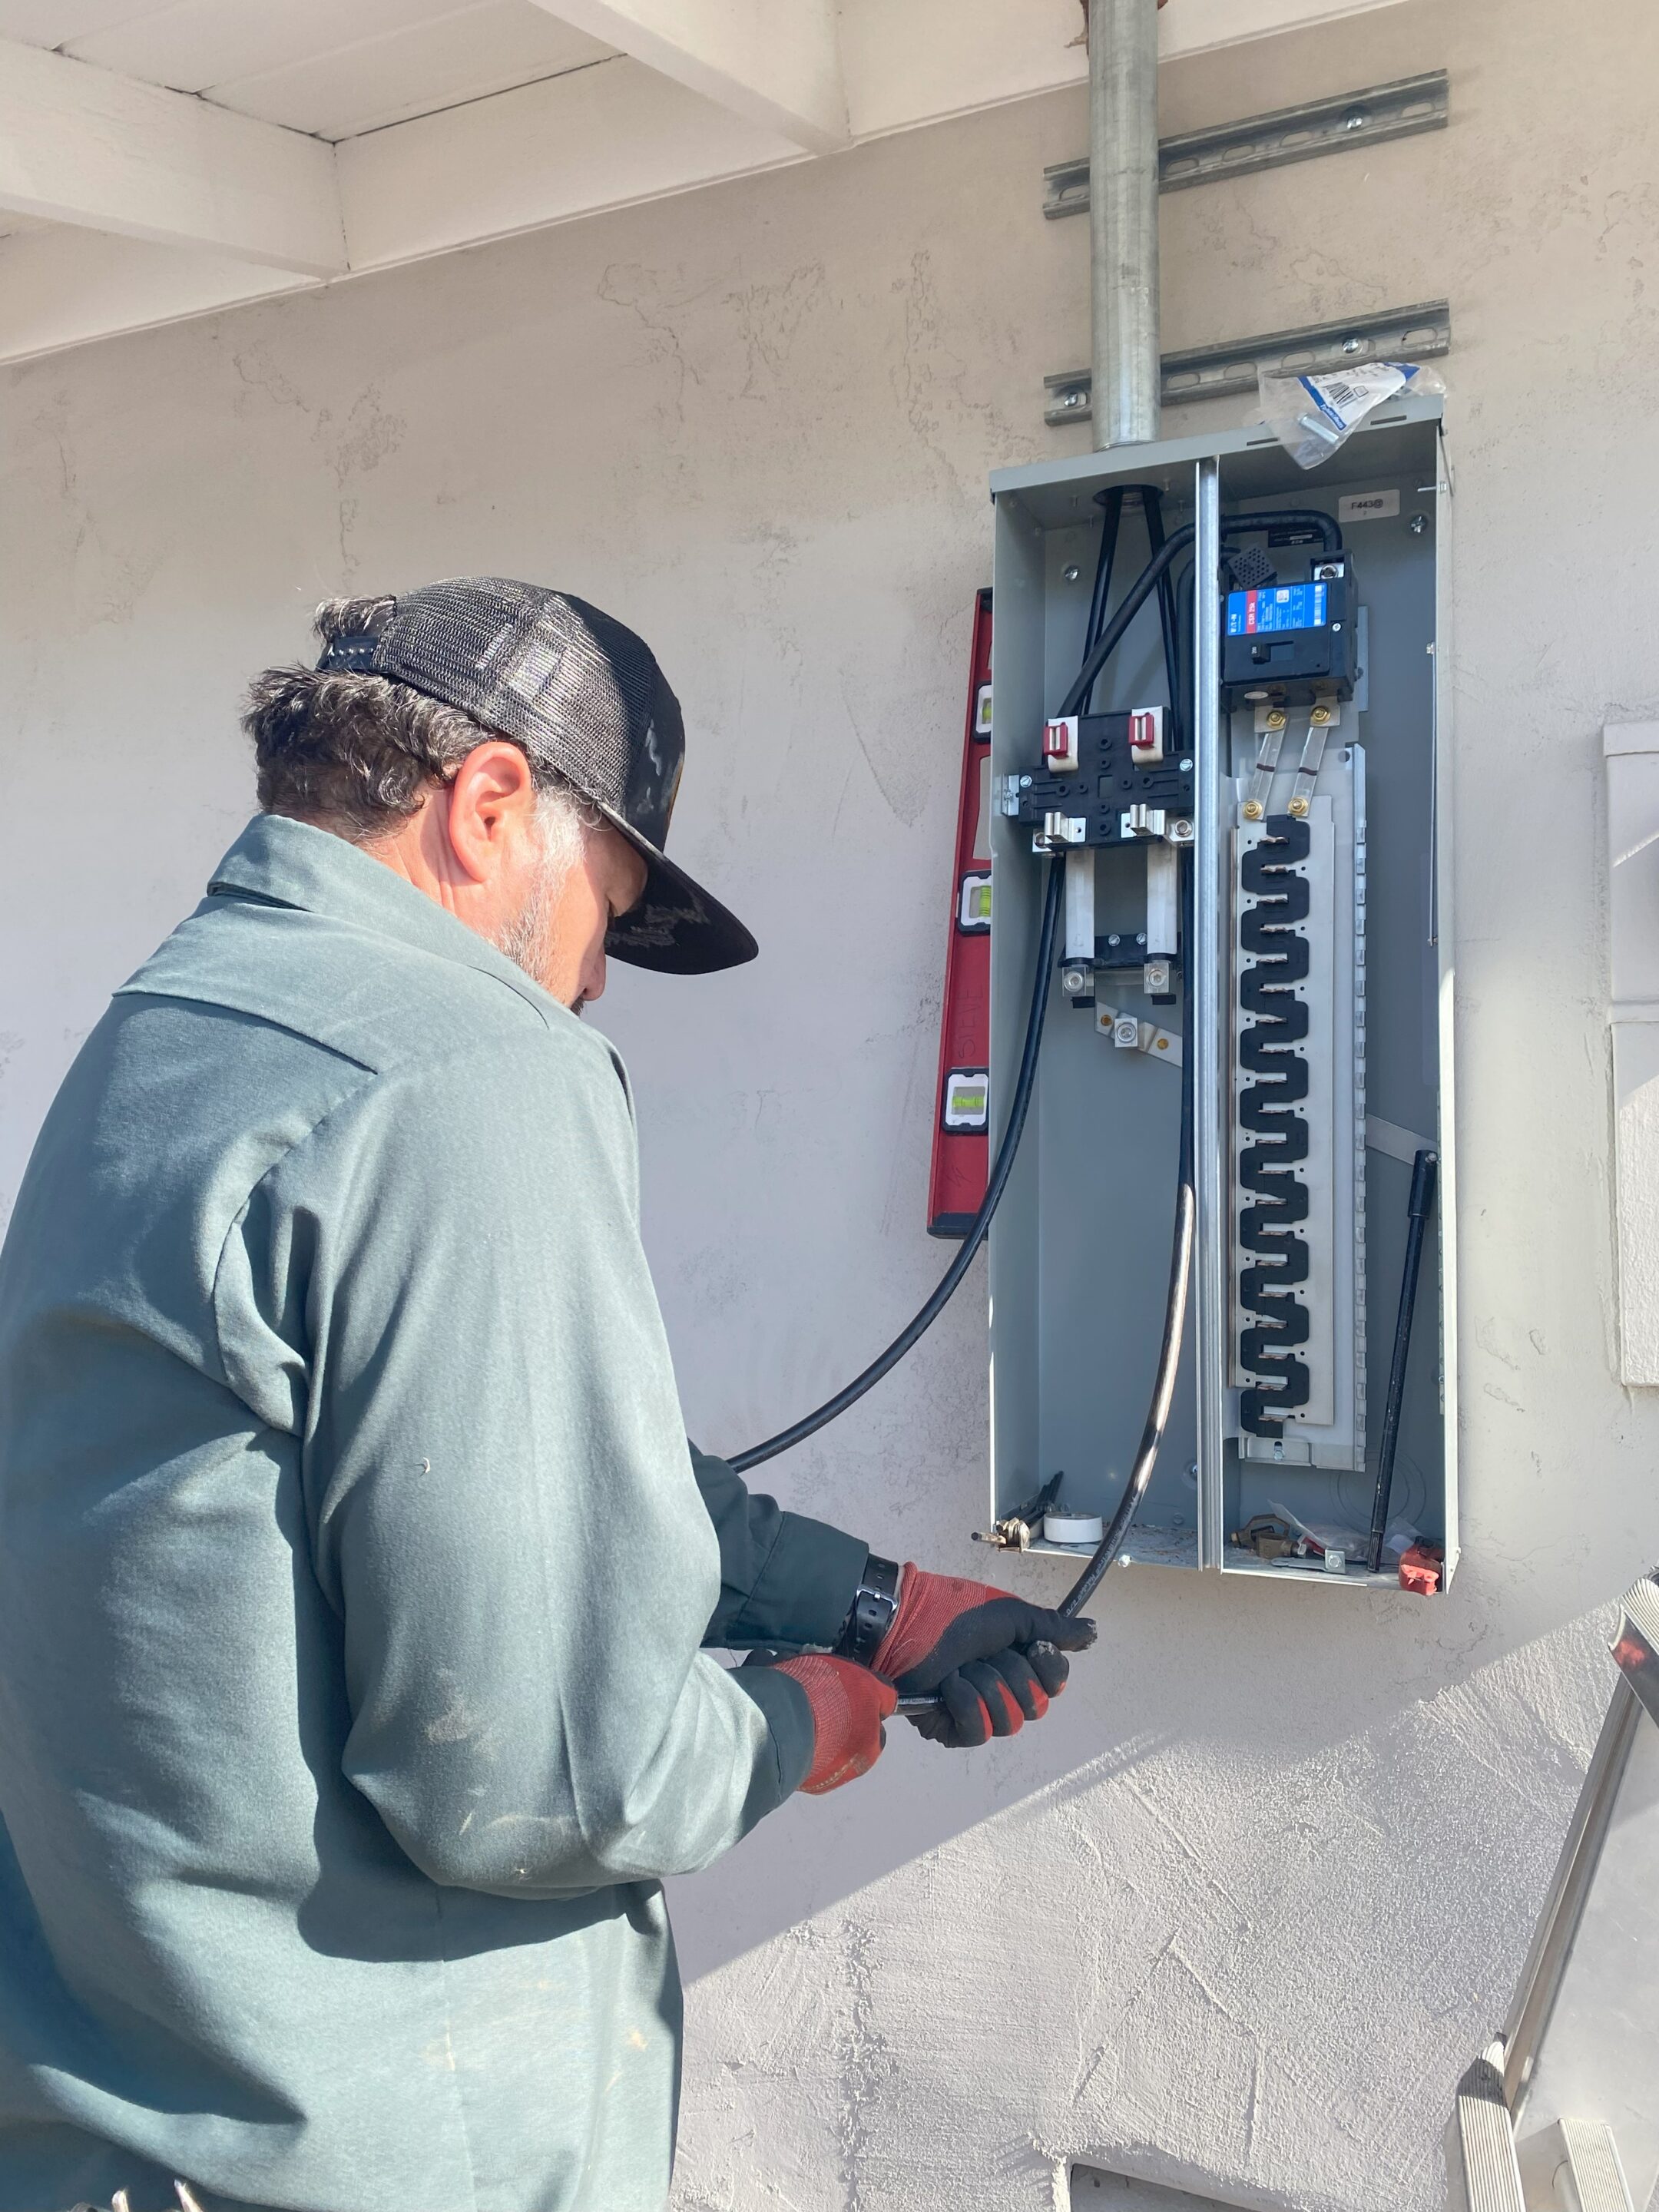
(512, 752)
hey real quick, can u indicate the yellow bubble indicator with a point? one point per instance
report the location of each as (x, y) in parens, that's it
(967, 1101)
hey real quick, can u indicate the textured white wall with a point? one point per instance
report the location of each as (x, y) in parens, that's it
(1238, 1914)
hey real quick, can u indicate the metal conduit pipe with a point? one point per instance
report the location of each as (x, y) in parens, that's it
(1123, 220)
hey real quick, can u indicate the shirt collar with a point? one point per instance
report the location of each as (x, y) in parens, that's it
(283, 862)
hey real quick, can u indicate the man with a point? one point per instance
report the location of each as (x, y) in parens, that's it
(355, 1569)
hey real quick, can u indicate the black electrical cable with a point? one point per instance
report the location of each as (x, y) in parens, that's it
(1287, 518)
(1242, 525)
(1151, 500)
(1174, 1321)
(1174, 1304)
(1417, 1209)
(1127, 608)
(908, 1336)
(1110, 504)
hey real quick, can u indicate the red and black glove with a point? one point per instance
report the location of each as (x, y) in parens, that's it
(994, 1660)
(849, 1704)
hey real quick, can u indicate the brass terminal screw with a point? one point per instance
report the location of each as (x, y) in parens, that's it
(1298, 806)
(1276, 718)
(1320, 717)
(1253, 810)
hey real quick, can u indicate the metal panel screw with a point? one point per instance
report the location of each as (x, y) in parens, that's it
(1353, 346)
(1072, 573)
(1355, 119)
(1418, 524)
(1025, 783)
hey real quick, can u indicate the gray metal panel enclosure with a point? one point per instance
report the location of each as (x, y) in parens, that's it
(1080, 1250)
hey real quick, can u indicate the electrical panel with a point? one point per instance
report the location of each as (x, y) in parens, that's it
(1216, 708)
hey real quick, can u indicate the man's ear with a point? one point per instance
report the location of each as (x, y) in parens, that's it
(492, 804)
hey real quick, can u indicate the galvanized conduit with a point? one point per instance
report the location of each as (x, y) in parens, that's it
(1123, 220)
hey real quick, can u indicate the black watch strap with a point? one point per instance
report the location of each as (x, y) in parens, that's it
(872, 1612)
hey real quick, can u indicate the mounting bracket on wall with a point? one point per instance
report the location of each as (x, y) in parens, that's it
(1401, 110)
(1222, 371)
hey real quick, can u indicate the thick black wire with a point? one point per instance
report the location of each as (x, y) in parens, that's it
(1287, 518)
(1110, 504)
(1174, 1304)
(953, 1275)
(1151, 500)
(1175, 1323)
(1127, 608)
(1240, 526)
(1180, 1253)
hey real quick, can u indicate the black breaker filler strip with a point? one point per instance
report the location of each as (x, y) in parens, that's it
(1270, 1104)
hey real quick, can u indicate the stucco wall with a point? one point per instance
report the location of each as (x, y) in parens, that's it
(1239, 1912)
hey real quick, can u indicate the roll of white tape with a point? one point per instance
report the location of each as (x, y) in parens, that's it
(1073, 1528)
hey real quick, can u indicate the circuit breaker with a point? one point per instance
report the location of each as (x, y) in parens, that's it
(1216, 709)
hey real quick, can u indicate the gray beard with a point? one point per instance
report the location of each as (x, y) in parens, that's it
(524, 938)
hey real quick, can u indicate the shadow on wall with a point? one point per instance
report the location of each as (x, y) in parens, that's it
(1369, 1746)
(1244, 1962)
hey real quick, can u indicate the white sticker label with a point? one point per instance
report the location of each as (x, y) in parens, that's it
(1346, 398)
(1367, 506)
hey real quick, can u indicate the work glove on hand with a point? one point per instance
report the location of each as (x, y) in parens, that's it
(994, 1660)
(849, 1704)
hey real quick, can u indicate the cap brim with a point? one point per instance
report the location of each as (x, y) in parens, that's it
(677, 927)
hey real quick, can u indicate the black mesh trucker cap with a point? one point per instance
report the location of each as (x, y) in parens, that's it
(583, 696)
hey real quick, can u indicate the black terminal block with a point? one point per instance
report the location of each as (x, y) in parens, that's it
(1118, 801)
(1295, 644)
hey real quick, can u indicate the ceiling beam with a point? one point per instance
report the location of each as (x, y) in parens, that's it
(89, 148)
(606, 137)
(62, 285)
(81, 145)
(775, 63)
(911, 62)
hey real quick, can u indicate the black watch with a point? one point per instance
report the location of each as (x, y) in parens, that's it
(875, 1603)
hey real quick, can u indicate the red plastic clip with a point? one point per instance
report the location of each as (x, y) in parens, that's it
(1420, 1567)
(1147, 735)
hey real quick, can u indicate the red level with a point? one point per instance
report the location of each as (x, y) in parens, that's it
(962, 1106)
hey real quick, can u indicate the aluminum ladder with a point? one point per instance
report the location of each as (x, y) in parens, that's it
(1561, 2113)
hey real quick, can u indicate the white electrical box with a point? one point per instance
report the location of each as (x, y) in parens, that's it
(1251, 807)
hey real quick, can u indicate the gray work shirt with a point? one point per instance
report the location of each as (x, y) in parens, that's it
(353, 1568)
